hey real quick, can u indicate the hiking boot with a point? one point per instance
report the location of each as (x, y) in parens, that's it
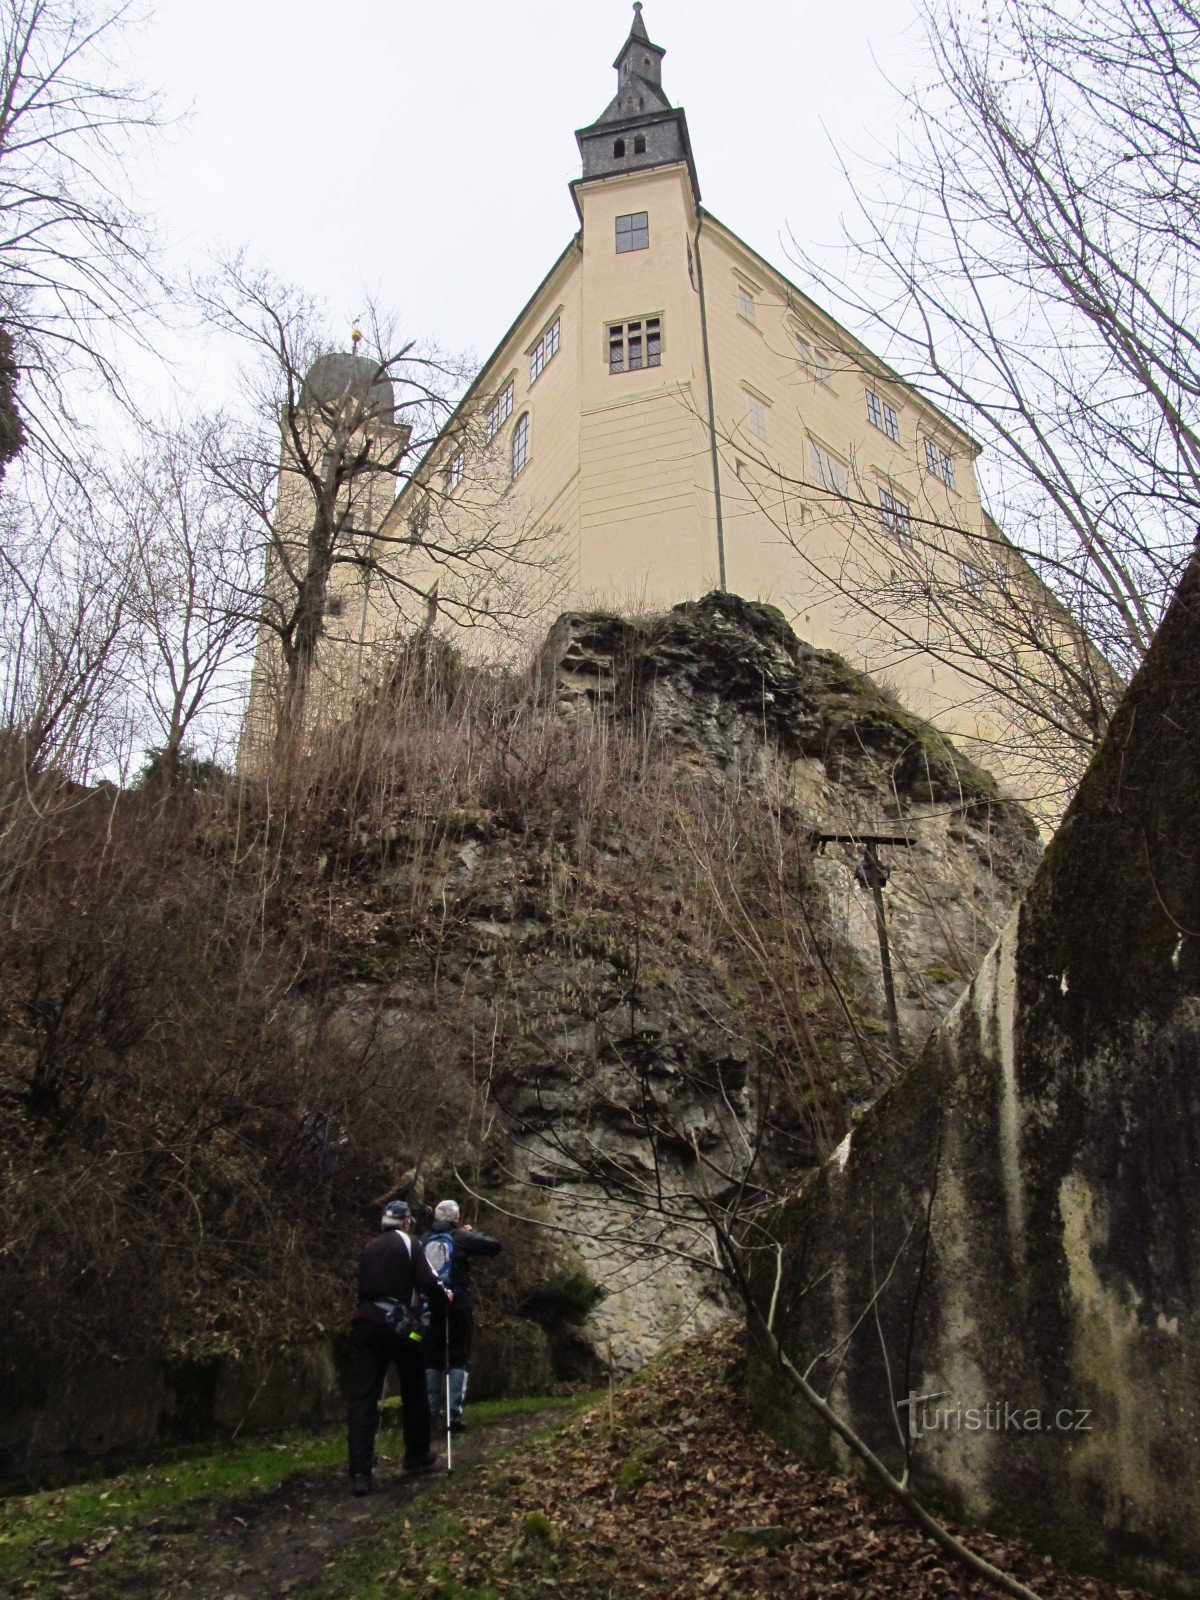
(360, 1483)
(424, 1463)
(457, 1425)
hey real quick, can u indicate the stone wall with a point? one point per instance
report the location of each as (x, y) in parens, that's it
(1012, 1229)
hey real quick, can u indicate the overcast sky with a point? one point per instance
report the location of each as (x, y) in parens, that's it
(423, 151)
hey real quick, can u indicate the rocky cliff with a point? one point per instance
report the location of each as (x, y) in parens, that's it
(692, 952)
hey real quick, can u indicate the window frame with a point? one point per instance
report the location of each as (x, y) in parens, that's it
(418, 519)
(883, 416)
(454, 472)
(633, 232)
(747, 298)
(756, 413)
(896, 516)
(520, 437)
(545, 349)
(648, 331)
(501, 409)
(940, 463)
(819, 455)
(812, 357)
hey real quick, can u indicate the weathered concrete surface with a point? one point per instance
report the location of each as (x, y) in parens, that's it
(1015, 1223)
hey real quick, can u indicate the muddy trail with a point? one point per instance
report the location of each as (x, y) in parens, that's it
(262, 1546)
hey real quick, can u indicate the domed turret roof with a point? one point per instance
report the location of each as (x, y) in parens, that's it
(337, 377)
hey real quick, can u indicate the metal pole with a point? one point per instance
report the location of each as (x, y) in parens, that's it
(885, 954)
(449, 1445)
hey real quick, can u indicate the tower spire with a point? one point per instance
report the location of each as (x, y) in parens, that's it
(639, 128)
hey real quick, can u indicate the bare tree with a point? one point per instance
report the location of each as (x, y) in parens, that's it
(66, 640)
(330, 442)
(194, 558)
(1030, 260)
(75, 253)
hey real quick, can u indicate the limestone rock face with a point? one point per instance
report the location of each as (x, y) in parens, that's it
(1030, 1188)
(598, 1024)
(727, 685)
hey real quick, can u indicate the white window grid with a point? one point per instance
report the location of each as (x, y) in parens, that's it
(939, 463)
(833, 474)
(455, 472)
(544, 351)
(883, 416)
(747, 306)
(501, 410)
(972, 579)
(520, 445)
(756, 417)
(634, 345)
(897, 518)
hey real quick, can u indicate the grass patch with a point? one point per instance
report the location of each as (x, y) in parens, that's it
(102, 1518)
(40, 1531)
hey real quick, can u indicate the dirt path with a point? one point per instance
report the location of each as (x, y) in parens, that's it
(278, 1545)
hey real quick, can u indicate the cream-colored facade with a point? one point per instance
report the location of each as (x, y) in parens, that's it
(668, 414)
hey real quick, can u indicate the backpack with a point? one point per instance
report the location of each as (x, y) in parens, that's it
(439, 1252)
(405, 1321)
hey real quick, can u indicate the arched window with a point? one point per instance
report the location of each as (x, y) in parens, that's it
(639, 145)
(619, 148)
(520, 445)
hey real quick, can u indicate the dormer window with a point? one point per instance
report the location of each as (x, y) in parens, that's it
(639, 145)
(619, 149)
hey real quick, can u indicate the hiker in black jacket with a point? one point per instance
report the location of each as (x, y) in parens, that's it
(391, 1271)
(465, 1243)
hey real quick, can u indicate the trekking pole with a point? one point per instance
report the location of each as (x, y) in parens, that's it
(449, 1445)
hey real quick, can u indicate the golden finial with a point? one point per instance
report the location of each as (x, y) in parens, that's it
(355, 338)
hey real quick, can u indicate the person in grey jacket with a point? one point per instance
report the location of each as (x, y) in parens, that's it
(451, 1246)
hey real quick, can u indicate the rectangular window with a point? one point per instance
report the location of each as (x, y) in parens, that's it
(453, 475)
(634, 345)
(813, 359)
(501, 410)
(830, 472)
(633, 232)
(543, 352)
(746, 305)
(883, 416)
(418, 519)
(897, 518)
(756, 416)
(972, 579)
(939, 463)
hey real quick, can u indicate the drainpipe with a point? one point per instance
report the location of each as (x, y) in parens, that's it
(712, 409)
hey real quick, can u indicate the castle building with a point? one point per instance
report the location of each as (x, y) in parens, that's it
(668, 414)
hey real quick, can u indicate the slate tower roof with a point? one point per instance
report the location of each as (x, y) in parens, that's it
(639, 128)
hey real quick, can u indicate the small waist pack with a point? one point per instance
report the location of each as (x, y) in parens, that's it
(402, 1320)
